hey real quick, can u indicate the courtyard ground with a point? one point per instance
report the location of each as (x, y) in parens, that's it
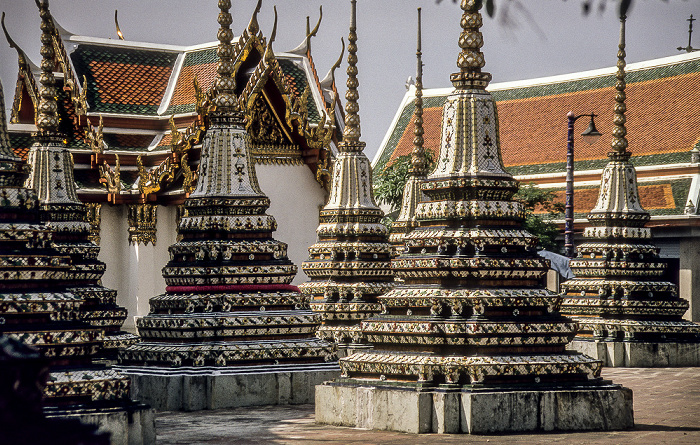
(666, 411)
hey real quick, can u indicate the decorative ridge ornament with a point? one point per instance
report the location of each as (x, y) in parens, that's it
(471, 59)
(351, 132)
(412, 193)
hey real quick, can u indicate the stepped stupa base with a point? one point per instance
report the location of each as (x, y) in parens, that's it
(633, 354)
(200, 388)
(449, 411)
(130, 424)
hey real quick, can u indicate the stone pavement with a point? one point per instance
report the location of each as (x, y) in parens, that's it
(666, 410)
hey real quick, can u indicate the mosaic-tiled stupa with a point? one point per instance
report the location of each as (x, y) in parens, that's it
(38, 308)
(412, 193)
(471, 342)
(52, 178)
(229, 305)
(628, 314)
(349, 265)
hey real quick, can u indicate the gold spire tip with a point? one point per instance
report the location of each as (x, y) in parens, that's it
(471, 59)
(352, 132)
(619, 141)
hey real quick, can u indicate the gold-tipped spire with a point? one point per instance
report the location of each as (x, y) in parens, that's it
(253, 26)
(312, 33)
(619, 142)
(471, 59)
(352, 132)
(120, 34)
(47, 118)
(226, 101)
(418, 164)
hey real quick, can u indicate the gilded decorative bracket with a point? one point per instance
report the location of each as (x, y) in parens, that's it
(142, 223)
(111, 178)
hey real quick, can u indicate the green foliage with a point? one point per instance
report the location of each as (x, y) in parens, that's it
(533, 198)
(389, 183)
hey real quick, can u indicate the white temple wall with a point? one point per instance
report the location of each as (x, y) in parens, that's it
(689, 278)
(295, 200)
(134, 270)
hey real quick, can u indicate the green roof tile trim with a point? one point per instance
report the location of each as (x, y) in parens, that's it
(21, 143)
(596, 83)
(598, 164)
(404, 119)
(201, 57)
(84, 55)
(180, 109)
(679, 187)
(114, 142)
(300, 82)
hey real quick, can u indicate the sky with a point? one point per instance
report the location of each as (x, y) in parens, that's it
(526, 39)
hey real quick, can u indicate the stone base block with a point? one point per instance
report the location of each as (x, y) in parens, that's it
(132, 425)
(194, 389)
(640, 354)
(607, 407)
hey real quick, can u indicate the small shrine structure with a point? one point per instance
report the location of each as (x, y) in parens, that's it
(628, 315)
(350, 265)
(470, 342)
(230, 330)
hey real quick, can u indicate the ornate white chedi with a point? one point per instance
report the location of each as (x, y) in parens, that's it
(619, 296)
(412, 193)
(470, 330)
(62, 211)
(349, 265)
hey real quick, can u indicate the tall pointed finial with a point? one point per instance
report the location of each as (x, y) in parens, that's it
(312, 33)
(253, 26)
(47, 118)
(120, 34)
(619, 142)
(352, 132)
(225, 100)
(418, 164)
(471, 59)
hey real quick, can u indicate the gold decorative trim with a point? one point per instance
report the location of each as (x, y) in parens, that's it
(142, 223)
(94, 217)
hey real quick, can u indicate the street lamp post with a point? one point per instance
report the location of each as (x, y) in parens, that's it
(589, 136)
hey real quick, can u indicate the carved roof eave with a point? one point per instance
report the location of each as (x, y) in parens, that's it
(70, 81)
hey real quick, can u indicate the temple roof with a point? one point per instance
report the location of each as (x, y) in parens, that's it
(145, 92)
(662, 121)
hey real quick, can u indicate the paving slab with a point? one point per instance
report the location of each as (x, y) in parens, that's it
(666, 410)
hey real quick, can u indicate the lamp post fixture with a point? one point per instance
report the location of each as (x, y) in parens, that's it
(589, 136)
